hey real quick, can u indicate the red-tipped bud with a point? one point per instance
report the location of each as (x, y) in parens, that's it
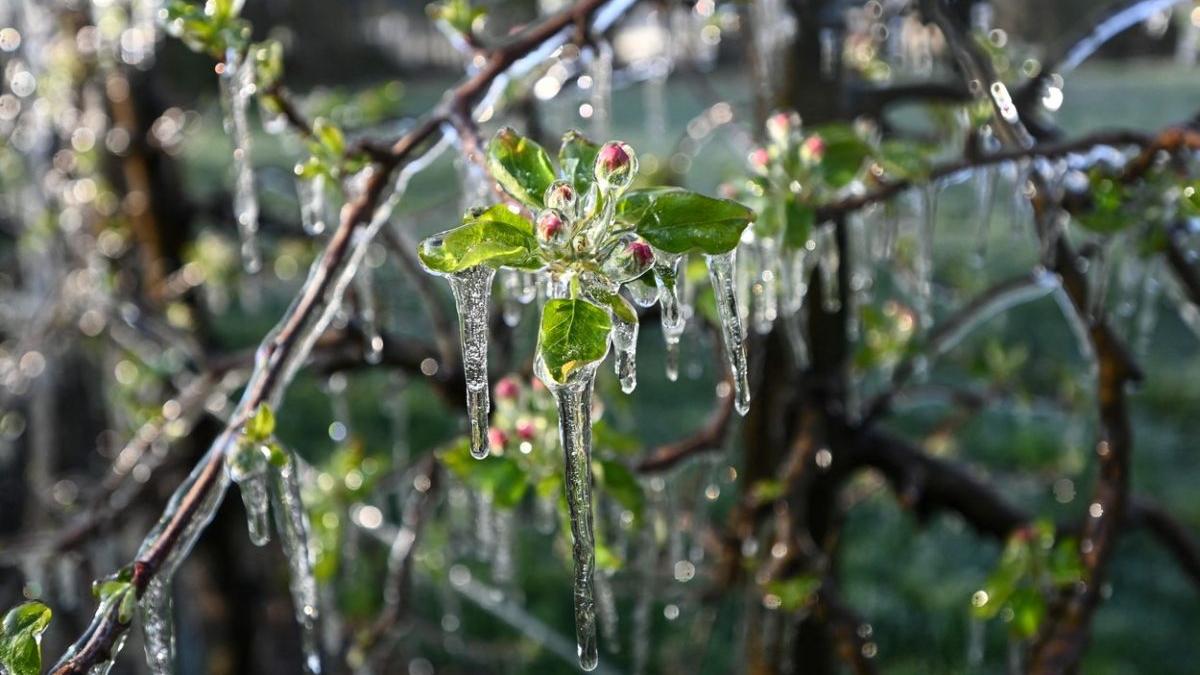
(759, 159)
(496, 437)
(629, 260)
(813, 150)
(525, 430)
(507, 389)
(616, 164)
(561, 195)
(551, 228)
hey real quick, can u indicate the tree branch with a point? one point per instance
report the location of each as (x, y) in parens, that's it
(289, 345)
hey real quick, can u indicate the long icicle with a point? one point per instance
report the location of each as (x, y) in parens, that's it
(237, 86)
(291, 521)
(666, 276)
(472, 290)
(574, 400)
(721, 274)
(624, 341)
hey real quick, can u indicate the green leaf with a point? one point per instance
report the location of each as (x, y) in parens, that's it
(330, 138)
(520, 165)
(21, 638)
(618, 481)
(268, 63)
(1029, 607)
(799, 221)
(1005, 580)
(794, 593)
(844, 154)
(904, 160)
(573, 334)
(482, 242)
(501, 214)
(1106, 215)
(577, 159)
(678, 221)
(260, 427)
(497, 476)
(619, 305)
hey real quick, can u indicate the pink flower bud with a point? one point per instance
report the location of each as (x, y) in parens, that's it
(496, 437)
(551, 228)
(641, 252)
(616, 165)
(561, 196)
(525, 430)
(507, 389)
(813, 149)
(759, 158)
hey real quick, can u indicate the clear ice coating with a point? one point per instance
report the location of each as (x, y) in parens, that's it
(923, 255)
(248, 468)
(472, 289)
(574, 399)
(624, 341)
(368, 315)
(311, 194)
(237, 86)
(513, 285)
(721, 274)
(666, 276)
(291, 521)
(158, 626)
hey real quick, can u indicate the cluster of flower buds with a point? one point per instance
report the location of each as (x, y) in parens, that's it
(579, 226)
(524, 416)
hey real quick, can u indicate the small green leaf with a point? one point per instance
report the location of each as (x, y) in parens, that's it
(520, 165)
(577, 159)
(260, 427)
(501, 214)
(1028, 607)
(330, 138)
(268, 63)
(843, 156)
(1106, 215)
(497, 476)
(21, 638)
(904, 160)
(481, 242)
(619, 305)
(678, 221)
(618, 481)
(794, 593)
(573, 334)
(799, 219)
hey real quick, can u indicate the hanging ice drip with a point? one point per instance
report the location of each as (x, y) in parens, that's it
(590, 237)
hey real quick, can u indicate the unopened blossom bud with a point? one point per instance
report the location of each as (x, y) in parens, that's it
(525, 430)
(760, 159)
(781, 125)
(813, 150)
(551, 228)
(616, 165)
(629, 260)
(507, 389)
(561, 196)
(496, 437)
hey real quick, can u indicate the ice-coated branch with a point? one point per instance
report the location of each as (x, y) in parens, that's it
(1063, 636)
(1048, 150)
(288, 346)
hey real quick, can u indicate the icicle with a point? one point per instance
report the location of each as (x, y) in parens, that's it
(485, 526)
(364, 293)
(643, 293)
(248, 468)
(1098, 277)
(923, 256)
(720, 272)
(574, 399)
(1147, 313)
(766, 287)
(512, 283)
(1076, 322)
(624, 341)
(606, 608)
(472, 290)
(237, 86)
(311, 194)
(502, 559)
(601, 72)
(666, 275)
(291, 521)
(158, 627)
(828, 262)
